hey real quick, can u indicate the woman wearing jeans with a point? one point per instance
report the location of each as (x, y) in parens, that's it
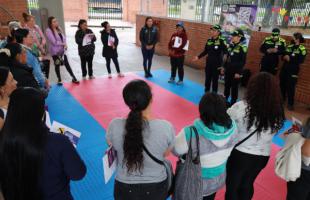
(109, 40)
(57, 47)
(148, 39)
(138, 177)
(86, 51)
(177, 53)
(261, 113)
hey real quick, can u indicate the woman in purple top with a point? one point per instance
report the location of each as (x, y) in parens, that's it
(57, 47)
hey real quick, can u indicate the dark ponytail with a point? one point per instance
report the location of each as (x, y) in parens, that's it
(137, 96)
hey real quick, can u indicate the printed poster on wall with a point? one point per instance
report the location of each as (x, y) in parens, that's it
(238, 16)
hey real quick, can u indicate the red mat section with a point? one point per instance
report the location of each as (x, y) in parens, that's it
(102, 98)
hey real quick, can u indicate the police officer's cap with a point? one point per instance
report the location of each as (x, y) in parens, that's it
(275, 32)
(216, 27)
(240, 33)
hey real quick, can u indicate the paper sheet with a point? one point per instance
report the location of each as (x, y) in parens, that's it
(87, 40)
(109, 164)
(186, 46)
(111, 41)
(73, 135)
(177, 42)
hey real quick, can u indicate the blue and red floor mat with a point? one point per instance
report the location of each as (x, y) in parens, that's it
(90, 106)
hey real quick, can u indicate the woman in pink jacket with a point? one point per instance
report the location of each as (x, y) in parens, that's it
(57, 48)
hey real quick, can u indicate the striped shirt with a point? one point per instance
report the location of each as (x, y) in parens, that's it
(216, 144)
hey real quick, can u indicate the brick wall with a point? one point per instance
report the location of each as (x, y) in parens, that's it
(198, 33)
(75, 10)
(132, 7)
(16, 8)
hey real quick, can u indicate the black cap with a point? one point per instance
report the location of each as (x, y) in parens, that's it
(216, 27)
(275, 32)
(238, 32)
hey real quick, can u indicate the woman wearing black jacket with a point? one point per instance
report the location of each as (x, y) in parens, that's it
(86, 50)
(148, 39)
(18, 66)
(110, 42)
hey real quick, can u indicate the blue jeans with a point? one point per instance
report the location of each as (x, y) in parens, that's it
(147, 59)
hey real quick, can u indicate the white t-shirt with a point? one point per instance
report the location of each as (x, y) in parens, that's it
(254, 145)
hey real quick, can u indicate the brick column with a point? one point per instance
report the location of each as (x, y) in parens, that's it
(75, 10)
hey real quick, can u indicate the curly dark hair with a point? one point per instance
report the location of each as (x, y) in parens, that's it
(137, 95)
(212, 109)
(264, 103)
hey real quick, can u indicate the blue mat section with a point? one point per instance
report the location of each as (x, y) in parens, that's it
(192, 92)
(65, 109)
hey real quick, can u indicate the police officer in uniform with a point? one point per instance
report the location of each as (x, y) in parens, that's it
(272, 47)
(234, 65)
(216, 49)
(294, 56)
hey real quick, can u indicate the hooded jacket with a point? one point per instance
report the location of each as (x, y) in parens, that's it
(215, 145)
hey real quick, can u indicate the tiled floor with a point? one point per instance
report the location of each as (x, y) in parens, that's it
(130, 59)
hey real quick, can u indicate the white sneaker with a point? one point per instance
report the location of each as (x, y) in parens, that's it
(110, 76)
(120, 75)
(91, 77)
(180, 83)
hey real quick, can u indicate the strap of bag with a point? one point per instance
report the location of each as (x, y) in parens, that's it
(197, 143)
(246, 138)
(152, 156)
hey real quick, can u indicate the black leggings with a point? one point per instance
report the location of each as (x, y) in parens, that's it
(177, 64)
(67, 65)
(299, 189)
(242, 170)
(89, 61)
(231, 87)
(147, 191)
(115, 61)
(288, 86)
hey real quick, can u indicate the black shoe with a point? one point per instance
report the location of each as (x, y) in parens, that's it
(74, 80)
(59, 82)
(146, 75)
(150, 75)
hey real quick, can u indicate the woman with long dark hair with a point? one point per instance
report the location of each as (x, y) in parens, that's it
(259, 116)
(109, 40)
(176, 46)
(138, 177)
(22, 73)
(148, 38)
(86, 50)
(217, 137)
(24, 38)
(7, 86)
(31, 166)
(57, 47)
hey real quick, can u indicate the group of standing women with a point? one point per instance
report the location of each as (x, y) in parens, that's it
(234, 144)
